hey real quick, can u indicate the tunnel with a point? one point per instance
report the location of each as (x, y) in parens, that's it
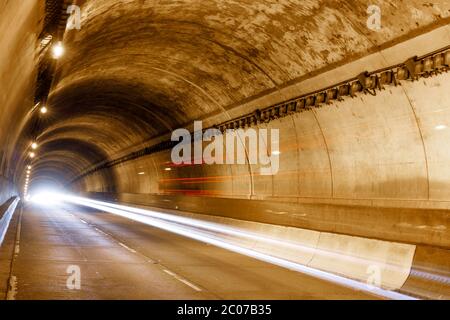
(238, 149)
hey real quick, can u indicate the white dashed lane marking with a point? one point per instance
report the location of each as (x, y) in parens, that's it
(193, 286)
(126, 247)
(172, 274)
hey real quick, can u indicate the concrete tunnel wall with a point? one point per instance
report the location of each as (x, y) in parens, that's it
(371, 151)
(138, 70)
(372, 160)
(368, 150)
(372, 167)
(361, 154)
(19, 22)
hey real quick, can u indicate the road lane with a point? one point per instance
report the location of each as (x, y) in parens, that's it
(122, 259)
(224, 274)
(53, 240)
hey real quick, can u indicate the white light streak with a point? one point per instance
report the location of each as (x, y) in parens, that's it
(210, 233)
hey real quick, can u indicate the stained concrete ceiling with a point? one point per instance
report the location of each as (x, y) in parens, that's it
(139, 69)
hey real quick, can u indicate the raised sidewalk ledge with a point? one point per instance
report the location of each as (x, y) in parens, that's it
(415, 226)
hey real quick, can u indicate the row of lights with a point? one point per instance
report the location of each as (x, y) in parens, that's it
(57, 52)
(27, 181)
(32, 154)
(34, 146)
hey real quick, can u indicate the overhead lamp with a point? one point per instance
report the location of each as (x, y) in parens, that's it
(44, 110)
(29, 167)
(32, 155)
(34, 146)
(58, 50)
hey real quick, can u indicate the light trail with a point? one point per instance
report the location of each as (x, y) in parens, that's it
(233, 231)
(195, 229)
(238, 232)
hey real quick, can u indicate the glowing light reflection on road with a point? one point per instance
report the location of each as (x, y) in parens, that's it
(198, 230)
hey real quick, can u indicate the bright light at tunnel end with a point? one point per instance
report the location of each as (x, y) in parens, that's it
(48, 198)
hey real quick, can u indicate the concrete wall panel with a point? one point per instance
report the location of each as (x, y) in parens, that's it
(314, 170)
(430, 100)
(375, 147)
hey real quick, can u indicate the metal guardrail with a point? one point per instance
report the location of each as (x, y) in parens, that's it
(367, 82)
(6, 219)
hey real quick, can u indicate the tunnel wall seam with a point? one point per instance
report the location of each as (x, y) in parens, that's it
(328, 154)
(422, 139)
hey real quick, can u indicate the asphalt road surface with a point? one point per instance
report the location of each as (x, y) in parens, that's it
(72, 253)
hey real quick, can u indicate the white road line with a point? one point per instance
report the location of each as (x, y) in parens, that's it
(12, 283)
(193, 286)
(186, 282)
(12, 288)
(17, 244)
(102, 232)
(126, 247)
(17, 249)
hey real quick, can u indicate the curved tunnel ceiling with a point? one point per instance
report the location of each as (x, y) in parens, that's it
(139, 69)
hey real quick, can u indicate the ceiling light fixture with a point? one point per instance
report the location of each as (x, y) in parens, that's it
(58, 50)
